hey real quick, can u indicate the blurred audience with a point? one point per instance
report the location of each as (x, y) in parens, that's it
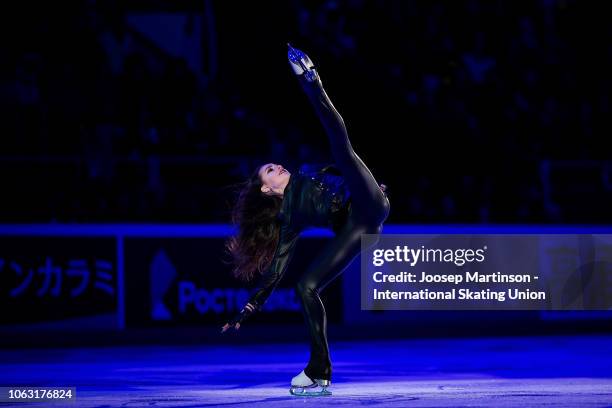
(471, 112)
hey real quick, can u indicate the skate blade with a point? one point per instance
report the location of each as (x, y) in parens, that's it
(307, 392)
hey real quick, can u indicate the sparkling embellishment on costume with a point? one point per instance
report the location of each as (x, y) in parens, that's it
(299, 58)
(295, 55)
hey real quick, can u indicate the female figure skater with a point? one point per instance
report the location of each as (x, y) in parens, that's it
(275, 206)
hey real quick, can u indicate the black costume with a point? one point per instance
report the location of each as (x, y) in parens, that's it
(345, 198)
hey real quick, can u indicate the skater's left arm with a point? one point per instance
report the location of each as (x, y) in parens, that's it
(270, 278)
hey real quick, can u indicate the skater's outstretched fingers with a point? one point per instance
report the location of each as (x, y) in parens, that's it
(246, 311)
(227, 326)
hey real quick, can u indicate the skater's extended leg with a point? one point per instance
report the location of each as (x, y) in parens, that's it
(369, 203)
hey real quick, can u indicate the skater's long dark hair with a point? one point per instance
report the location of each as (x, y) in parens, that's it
(255, 216)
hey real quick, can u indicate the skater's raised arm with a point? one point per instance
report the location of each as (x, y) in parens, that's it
(269, 279)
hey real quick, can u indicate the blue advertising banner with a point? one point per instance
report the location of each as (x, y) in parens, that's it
(54, 278)
(185, 281)
(57, 276)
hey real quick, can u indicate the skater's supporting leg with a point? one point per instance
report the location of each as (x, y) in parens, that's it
(330, 263)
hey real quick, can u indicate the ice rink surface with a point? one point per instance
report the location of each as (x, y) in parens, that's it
(559, 371)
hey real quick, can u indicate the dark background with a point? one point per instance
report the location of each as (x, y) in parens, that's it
(150, 112)
(470, 111)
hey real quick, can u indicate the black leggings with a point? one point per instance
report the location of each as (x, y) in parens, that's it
(369, 208)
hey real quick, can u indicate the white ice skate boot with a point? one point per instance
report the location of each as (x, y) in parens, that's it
(304, 386)
(302, 64)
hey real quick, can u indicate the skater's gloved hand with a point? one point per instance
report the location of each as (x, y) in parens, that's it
(246, 311)
(302, 65)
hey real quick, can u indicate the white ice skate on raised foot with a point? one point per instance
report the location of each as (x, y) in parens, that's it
(303, 386)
